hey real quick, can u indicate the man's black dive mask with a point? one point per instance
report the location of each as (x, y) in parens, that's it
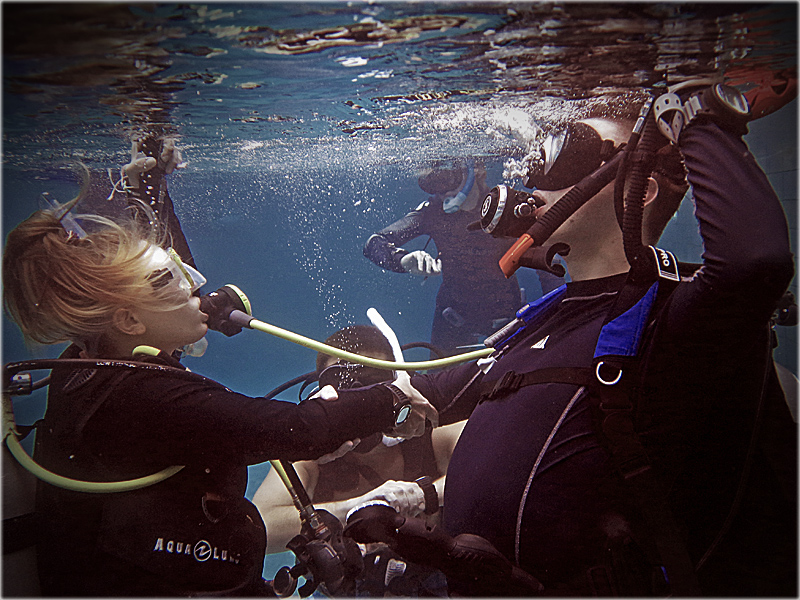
(568, 156)
(344, 375)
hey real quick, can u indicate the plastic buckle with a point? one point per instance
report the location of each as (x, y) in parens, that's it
(510, 382)
(670, 116)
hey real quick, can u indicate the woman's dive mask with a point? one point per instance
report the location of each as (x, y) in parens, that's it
(168, 268)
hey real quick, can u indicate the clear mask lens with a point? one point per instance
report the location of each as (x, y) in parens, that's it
(167, 267)
(552, 149)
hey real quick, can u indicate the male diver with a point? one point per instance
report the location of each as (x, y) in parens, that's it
(628, 437)
(408, 475)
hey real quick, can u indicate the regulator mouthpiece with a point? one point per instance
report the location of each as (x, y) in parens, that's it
(507, 212)
(219, 305)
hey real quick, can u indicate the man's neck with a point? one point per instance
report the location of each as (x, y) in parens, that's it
(596, 262)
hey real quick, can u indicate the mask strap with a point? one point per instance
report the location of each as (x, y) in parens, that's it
(452, 204)
(63, 212)
(607, 150)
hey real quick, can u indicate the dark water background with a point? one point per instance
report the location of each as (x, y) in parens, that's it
(303, 125)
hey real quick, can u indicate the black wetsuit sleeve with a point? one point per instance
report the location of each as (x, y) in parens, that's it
(747, 259)
(383, 248)
(167, 214)
(186, 420)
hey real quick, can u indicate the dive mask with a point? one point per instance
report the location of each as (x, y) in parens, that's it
(345, 375)
(167, 267)
(451, 204)
(567, 157)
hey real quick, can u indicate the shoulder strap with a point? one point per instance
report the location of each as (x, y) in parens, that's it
(617, 368)
(614, 377)
(525, 316)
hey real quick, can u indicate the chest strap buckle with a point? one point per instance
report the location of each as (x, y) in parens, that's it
(509, 383)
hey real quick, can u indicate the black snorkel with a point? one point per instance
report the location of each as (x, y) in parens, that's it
(540, 257)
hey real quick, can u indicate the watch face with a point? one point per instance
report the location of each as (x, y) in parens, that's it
(732, 98)
(402, 414)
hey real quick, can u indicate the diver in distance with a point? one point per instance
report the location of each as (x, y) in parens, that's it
(474, 298)
(629, 436)
(408, 475)
(116, 291)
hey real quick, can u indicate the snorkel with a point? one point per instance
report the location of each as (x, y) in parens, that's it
(453, 203)
(555, 216)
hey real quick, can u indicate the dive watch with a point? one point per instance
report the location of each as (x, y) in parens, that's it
(723, 104)
(402, 405)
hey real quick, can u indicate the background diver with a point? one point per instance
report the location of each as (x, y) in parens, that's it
(474, 298)
(378, 469)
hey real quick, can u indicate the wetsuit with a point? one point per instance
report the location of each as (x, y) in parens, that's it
(531, 473)
(474, 292)
(194, 532)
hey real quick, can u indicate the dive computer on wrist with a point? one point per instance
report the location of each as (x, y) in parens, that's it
(402, 405)
(723, 104)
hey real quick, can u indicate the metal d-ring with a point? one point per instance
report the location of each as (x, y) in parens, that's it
(603, 381)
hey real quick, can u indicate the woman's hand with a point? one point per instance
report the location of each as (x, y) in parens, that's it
(421, 409)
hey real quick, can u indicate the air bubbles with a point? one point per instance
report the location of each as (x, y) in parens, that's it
(352, 61)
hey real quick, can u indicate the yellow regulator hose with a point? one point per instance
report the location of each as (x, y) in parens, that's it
(248, 321)
(91, 487)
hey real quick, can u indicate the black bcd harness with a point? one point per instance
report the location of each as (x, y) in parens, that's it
(615, 378)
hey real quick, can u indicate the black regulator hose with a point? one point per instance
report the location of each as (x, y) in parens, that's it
(566, 206)
(642, 160)
(555, 216)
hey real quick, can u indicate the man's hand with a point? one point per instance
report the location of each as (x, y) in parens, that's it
(420, 262)
(406, 497)
(339, 452)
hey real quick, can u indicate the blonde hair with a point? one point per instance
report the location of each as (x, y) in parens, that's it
(59, 287)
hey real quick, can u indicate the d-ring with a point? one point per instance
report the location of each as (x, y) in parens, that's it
(603, 381)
